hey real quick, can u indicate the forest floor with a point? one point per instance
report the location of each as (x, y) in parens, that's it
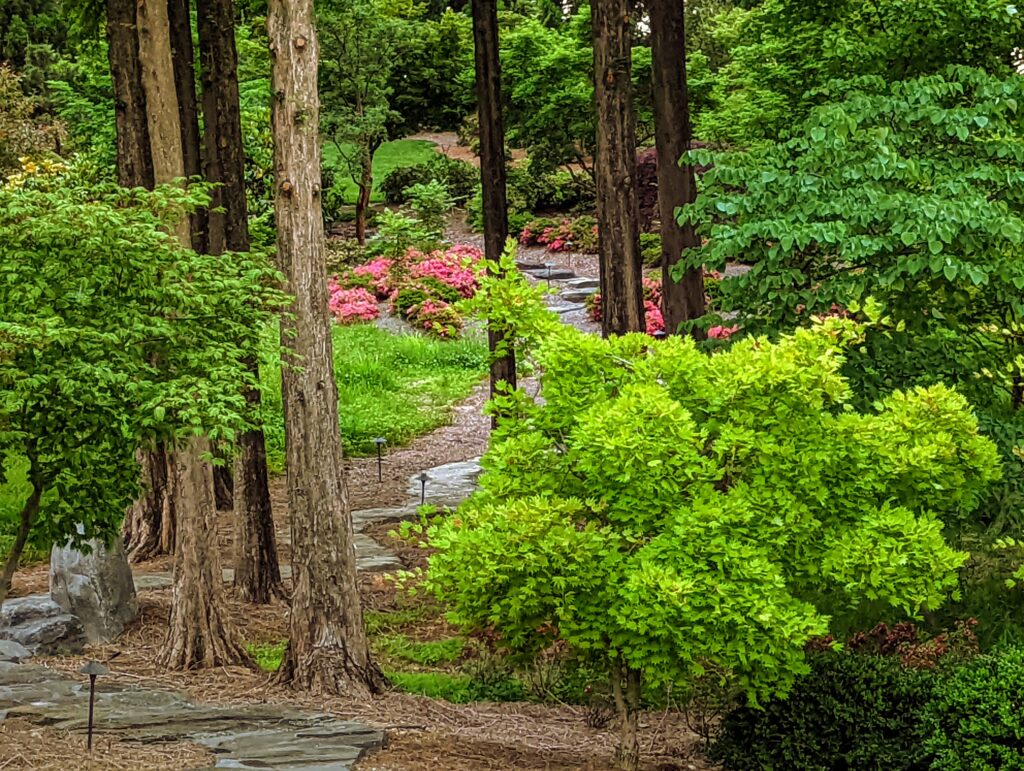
(424, 732)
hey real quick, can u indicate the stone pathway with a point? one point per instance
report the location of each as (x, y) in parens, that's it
(256, 736)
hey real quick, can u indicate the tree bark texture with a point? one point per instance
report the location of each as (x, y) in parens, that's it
(25, 521)
(134, 165)
(492, 162)
(626, 684)
(257, 572)
(199, 633)
(365, 191)
(327, 650)
(618, 213)
(683, 300)
(149, 525)
(183, 58)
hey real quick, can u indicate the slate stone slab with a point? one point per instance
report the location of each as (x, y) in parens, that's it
(555, 274)
(13, 652)
(448, 485)
(576, 295)
(582, 282)
(564, 307)
(259, 736)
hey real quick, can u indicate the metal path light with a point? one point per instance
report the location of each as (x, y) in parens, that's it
(424, 478)
(380, 441)
(549, 266)
(94, 669)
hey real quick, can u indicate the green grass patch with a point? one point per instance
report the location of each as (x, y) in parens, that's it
(425, 654)
(390, 155)
(268, 656)
(395, 386)
(458, 689)
(378, 622)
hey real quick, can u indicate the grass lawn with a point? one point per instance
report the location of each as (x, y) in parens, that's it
(395, 386)
(401, 152)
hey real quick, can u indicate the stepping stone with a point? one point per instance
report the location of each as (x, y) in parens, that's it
(449, 485)
(528, 266)
(562, 307)
(583, 282)
(556, 274)
(576, 295)
(13, 652)
(40, 625)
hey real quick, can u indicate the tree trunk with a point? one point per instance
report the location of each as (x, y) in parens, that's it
(25, 522)
(626, 684)
(365, 190)
(134, 165)
(183, 57)
(149, 525)
(492, 165)
(257, 573)
(327, 650)
(199, 633)
(618, 212)
(682, 301)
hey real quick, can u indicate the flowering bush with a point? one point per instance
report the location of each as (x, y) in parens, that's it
(379, 271)
(350, 306)
(579, 235)
(437, 317)
(722, 333)
(457, 267)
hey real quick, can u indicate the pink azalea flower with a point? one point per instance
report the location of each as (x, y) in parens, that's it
(722, 333)
(350, 306)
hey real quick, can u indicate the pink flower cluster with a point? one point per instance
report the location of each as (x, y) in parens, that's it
(379, 271)
(722, 333)
(457, 268)
(563, 236)
(652, 318)
(350, 306)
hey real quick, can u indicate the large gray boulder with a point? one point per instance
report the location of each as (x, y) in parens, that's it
(41, 626)
(96, 587)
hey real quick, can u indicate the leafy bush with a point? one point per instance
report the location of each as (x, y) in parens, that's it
(975, 720)
(343, 252)
(663, 511)
(565, 235)
(430, 202)
(397, 233)
(650, 248)
(460, 179)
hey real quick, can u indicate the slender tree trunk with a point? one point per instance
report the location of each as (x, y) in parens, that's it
(618, 211)
(492, 165)
(327, 650)
(25, 522)
(183, 57)
(149, 525)
(683, 300)
(199, 633)
(626, 684)
(365, 190)
(134, 165)
(257, 573)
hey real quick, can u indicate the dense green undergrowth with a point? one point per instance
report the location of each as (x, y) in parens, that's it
(394, 386)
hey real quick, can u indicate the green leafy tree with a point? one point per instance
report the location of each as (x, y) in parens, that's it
(671, 515)
(111, 335)
(782, 52)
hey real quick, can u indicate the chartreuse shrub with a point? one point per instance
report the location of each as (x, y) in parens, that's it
(975, 720)
(666, 513)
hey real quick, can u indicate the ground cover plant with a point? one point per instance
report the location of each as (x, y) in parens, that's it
(672, 515)
(394, 386)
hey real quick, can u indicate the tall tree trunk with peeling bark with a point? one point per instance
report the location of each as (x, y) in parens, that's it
(618, 210)
(492, 165)
(683, 300)
(149, 523)
(257, 573)
(327, 652)
(199, 633)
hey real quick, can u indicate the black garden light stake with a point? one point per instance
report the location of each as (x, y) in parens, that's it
(424, 478)
(661, 334)
(94, 669)
(549, 266)
(379, 441)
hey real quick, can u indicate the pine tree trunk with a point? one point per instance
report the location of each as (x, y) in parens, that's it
(363, 199)
(618, 211)
(183, 57)
(199, 633)
(257, 573)
(682, 301)
(149, 525)
(134, 165)
(492, 164)
(327, 650)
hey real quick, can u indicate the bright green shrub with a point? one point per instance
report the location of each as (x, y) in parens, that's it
(663, 511)
(975, 721)
(460, 179)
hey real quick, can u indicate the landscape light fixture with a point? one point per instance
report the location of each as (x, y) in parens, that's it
(661, 334)
(94, 669)
(380, 442)
(424, 478)
(549, 266)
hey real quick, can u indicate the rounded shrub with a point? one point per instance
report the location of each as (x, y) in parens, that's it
(853, 711)
(975, 720)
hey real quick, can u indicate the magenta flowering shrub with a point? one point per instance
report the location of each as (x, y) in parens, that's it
(379, 273)
(351, 305)
(565, 235)
(421, 287)
(722, 333)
